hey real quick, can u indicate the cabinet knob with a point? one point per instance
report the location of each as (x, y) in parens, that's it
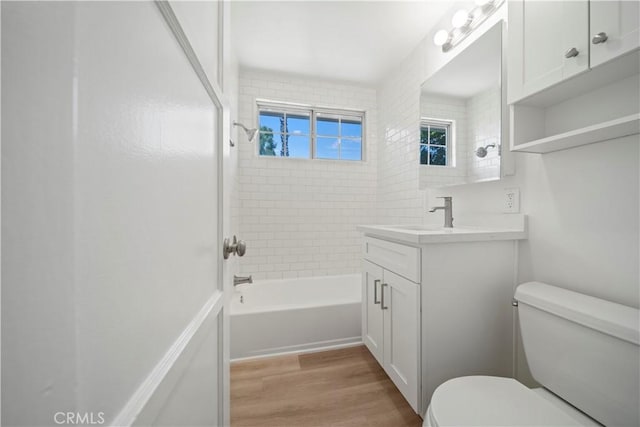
(599, 38)
(571, 53)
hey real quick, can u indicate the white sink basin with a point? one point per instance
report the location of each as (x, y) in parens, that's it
(419, 227)
(514, 229)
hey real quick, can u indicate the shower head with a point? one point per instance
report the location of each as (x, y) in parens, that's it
(482, 151)
(251, 133)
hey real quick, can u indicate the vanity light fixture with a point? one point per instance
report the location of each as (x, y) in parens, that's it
(440, 37)
(460, 19)
(464, 23)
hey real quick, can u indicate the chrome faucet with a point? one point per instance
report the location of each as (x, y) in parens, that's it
(239, 280)
(448, 211)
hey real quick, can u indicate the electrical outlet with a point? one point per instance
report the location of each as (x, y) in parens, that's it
(511, 200)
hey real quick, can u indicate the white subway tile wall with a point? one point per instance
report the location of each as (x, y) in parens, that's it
(298, 216)
(399, 200)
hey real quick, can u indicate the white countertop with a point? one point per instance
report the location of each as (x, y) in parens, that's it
(418, 234)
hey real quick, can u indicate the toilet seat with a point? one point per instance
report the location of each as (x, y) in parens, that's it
(496, 401)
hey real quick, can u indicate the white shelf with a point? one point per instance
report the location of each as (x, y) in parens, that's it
(616, 128)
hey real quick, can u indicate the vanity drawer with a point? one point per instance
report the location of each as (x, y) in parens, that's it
(400, 259)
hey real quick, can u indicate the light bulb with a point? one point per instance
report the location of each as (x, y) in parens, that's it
(440, 37)
(459, 18)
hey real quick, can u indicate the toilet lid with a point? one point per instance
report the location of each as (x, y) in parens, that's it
(492, 401)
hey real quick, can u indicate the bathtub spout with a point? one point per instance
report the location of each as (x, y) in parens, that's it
(238, 280)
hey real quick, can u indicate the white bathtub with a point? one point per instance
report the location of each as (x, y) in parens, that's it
(295, 315)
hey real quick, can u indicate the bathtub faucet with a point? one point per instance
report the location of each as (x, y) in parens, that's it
(238, 280)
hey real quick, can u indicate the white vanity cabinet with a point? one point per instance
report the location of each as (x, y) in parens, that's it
(436, 304)
(391, 314)
(372, 313)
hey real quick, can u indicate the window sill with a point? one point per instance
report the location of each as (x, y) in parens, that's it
(437, 167)
(302, 159)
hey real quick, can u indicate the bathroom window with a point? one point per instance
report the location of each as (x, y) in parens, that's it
(289, 130)
(435, 142)
(285, 133)
(338, 137)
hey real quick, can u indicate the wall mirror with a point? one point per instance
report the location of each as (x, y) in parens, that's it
(463, 119)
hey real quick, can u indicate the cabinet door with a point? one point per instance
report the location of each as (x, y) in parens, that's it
(372, 316)
(400, 302)
(620, 21)
(541, 36)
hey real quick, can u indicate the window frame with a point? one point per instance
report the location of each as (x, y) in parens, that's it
(449, 126)
(312, 112)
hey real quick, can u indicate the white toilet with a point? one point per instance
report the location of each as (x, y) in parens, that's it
(583, 350)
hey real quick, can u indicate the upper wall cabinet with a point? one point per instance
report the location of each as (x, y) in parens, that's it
(614, 29)
(573, 72)
(548, 43)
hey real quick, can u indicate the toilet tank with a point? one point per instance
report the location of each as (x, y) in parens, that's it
(583, 349)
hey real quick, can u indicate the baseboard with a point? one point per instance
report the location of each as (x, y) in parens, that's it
(303, 348)
(160, 381)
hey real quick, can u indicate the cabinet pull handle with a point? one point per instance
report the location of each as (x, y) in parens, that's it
(571, 53)
(600, 38)
(375, 291)
(382, 306)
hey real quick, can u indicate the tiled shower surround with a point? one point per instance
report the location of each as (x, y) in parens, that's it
(298, 216)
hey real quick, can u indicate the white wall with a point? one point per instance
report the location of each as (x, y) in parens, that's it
(38, 314)
(583, 208)
(298, 216)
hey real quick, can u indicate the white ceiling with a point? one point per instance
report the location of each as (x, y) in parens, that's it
(358, 41)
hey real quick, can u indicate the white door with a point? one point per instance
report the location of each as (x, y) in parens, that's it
(372, 322)
(548, 43)
(400, 302)
(620, 23)
(111, 146)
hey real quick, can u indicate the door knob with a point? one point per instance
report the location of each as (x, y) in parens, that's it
(600, 38)
(571, 53)
(241, 247)
(235, 246)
